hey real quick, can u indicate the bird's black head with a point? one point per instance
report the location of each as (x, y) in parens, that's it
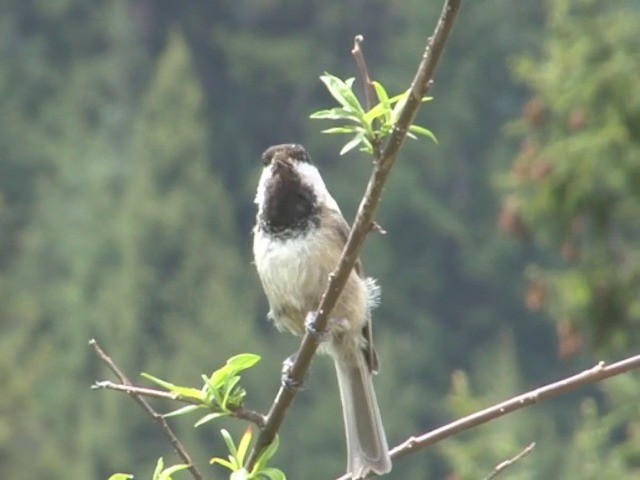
(289, 204)
(291, 151)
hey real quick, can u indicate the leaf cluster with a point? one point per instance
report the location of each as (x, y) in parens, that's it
(369, 128)
(221, 391)
(238, 455)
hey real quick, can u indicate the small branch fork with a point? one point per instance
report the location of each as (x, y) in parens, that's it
(502, 466)
(133, 390)
(158, 418)
(362, 225)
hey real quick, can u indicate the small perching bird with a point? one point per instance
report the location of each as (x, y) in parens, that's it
(298, 238)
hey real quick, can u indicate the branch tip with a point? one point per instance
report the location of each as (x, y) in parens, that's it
(130, 390)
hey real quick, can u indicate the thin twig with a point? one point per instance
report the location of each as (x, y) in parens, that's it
(361, 227)
(158, 418)
(370, 101)
(367, 85)
(595, 374)
(237, 412)
(502, 466)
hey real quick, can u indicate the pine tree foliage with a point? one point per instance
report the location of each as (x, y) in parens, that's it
(575, 184)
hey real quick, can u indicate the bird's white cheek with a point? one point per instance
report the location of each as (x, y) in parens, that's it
(262, 185)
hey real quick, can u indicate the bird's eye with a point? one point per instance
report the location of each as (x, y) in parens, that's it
(266, 159)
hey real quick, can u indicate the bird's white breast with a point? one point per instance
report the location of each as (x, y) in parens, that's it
(292, 275)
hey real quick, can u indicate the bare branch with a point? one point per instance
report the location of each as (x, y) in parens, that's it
(158, 418)
(140, 391)
(502, 466)
(370, 98)
(595, 374)
(237, 412)
(358, 55)
(361, 227)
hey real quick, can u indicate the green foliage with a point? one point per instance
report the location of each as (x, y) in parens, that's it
(160, 473)
(575, 185)
(120, 476)
(369, 127)
(221, 391)
(238, 455)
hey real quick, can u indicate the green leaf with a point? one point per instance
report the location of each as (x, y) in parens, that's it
(353, 143)
(223, 462)
(266, 455)
(158, 381)
(342, 93)
(378, 111)
(185, 392)
(166, 474)
(243, 446)
(400, 97)
(188, 392)
(229, 441)
(158, 469)
(219, 377)
(418, 130)
(366, 146)
(228, 389)
(121, 476)
(347, 129)
(182, 410)
(384, 107)
(381, 93)
(209, 417)
(336, 114)
(273, 474)
(398, 108)
(243, 361)
(271, 449)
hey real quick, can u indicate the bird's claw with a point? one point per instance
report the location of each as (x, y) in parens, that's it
(310, 327)
(286, 378)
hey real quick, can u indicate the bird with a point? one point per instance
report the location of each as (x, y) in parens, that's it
(297, 240)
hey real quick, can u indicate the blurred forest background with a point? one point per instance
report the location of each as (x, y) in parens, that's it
(130, 138)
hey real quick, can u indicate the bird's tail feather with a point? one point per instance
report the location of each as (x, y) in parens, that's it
(367, 448)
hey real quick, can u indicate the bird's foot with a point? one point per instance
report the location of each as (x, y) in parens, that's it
(312, 329)
(335, 326)
(286, 377)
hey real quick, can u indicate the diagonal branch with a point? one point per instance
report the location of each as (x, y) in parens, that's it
(158, 418)
(361, 227)
(595, 374)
